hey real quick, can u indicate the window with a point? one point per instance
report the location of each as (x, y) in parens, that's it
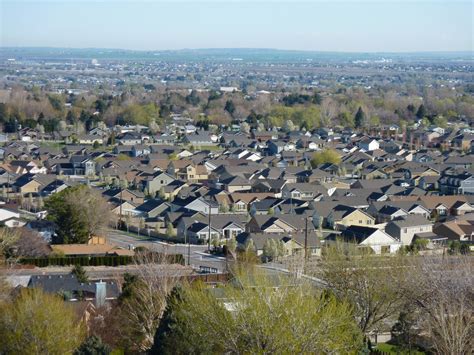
(360, 221)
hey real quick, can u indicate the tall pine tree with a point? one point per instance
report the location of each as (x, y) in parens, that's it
(421, 111)
(359, 118)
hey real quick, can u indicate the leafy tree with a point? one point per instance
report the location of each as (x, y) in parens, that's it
(140, 114)
(96, 145)
(39, 323)
(325, 156)
(346, 119)
(288, 126)
(440, 121)
(258, 319)
(78, 212)
(359, 118)
(8, 239)
(93, 346)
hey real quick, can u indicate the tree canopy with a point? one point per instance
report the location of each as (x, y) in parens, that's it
(39, 323)
(78, 212)
(325, 156)
(258, 318)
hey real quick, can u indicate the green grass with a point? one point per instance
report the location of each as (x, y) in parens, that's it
(48, 144)
(393, 349)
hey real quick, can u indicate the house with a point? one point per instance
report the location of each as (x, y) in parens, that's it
(265, 206)
(72, 290)
(222, 226)
(293, 244)
(102, 249)
(373, 239)
(276, 147)
(53, 187)
(303, 191)
(236, 183)
(368, 144)
(27, 184)
(198, 233)
(121, 207)
(342, 217)
(6, 214)
(404, 229)
(133, 196)
(277, 224)
(454, 184)
(200, 138)
(241, 201)
(198, 204)
(21, 167)
(130, 138)
(91, 139)
(153, 184)
(140, 150)
(78, 165)
(152, 208)
(460, 229)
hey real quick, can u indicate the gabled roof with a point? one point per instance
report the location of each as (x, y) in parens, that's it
(411, 221)
(151, 204)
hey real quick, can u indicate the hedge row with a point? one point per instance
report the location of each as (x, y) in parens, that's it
(110, 260)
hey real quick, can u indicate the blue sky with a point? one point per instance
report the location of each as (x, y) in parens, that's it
(377, 25)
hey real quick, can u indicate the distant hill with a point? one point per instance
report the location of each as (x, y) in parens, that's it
(224, 54)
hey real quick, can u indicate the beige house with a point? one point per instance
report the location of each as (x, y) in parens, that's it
(342, 217)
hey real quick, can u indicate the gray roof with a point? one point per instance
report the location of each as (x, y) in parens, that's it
(411, 221)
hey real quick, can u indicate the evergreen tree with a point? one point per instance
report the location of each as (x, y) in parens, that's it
(80, 273)
(421, 112)
(162, 343)
(359, 119)
(229, 107)
(93, 346)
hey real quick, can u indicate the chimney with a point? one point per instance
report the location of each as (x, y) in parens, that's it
(100, 293)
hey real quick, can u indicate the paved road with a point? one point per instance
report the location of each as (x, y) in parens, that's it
(196, 254)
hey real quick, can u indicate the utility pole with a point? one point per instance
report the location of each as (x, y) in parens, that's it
(189, 253)
(306, 238)
(121, 203)
(209, 228)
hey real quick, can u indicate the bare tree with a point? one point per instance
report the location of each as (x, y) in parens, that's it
(373, 285)
(443, 291)
(30, 244)
(144, 306)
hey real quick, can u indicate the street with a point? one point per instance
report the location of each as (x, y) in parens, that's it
(196, 254)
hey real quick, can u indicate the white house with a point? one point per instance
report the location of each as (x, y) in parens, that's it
(368, 238)
(368, 144)
(7, 214)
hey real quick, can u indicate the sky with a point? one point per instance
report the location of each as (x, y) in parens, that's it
(336, 25)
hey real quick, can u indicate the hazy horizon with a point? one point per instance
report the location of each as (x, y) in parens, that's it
(236, 48)
(376, 26)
